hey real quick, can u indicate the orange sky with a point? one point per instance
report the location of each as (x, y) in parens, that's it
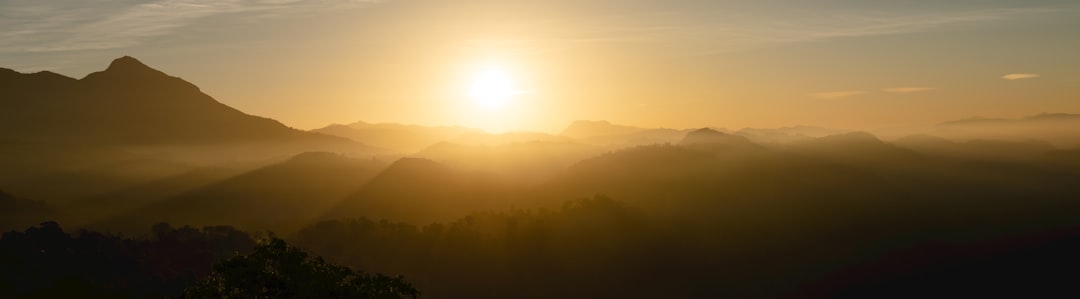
(683, 63)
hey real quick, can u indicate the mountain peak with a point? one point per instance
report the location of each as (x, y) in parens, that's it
(127, 69)
(129, 65)
(591, 122)
(596, 128)
(709, 136)
(125, 64)
(708, 131)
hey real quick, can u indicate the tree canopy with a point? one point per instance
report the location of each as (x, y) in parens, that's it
(277, 270)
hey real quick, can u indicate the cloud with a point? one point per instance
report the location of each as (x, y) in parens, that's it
(736, 32)
(907, 89)
(54, 25)
(1019, 76)
(835, 94)
(709, 29)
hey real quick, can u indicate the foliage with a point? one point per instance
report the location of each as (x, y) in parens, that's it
(46, 262)
(602, 248)
(277, 270)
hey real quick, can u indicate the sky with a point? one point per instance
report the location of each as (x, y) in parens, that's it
(678, 63)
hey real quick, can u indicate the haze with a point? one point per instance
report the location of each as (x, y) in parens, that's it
(539, 149)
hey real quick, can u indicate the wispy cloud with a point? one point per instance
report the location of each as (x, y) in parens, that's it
(831, 95)
(53, 25)
(907, 89)
(1019, 76)
(816, 26)
(724, 31)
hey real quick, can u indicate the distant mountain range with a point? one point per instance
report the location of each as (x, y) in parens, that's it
(1059, 129)
(399, 137)
(707, 137)
(586, 129)
(1038, 118)
(282, 196)
(144, 146)
(408, 139)
(130, 103)
(685, 212)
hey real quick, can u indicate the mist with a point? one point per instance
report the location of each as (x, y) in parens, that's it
(130, 183)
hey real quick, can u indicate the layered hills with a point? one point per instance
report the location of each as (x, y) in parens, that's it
(603, 208)
(127, 125)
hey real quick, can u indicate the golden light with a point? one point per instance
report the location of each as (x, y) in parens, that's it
(492, 89)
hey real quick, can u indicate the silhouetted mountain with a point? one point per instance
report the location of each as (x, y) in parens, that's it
(1042, 117)
(976, 121)
(713, 139)
(1057, 128)
(855, 148)
(282, 196)
(108, 205)
(526, 161)
(644, 137)
(1054, 117)
(977, 149)
(398, 137)
(786, 134)
(132, 104)
(101, 172)
(603, 133)
(125, 126)
(421, 191)
(685, 179)
(582, 129)
(855, 165)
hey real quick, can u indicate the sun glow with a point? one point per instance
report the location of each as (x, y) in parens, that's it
(496, 95)
(492, 89)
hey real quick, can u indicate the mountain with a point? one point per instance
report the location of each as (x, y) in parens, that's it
(397, 137)
(977, 148)
(786, 134)
(1042, 117)
(125, 126)
(853, 147)
(1057, 128)
(526, 161)
(129, 103)
(975, 121)
(422, 191)
(605, 133)
(281, 196)
(138, 194)
(587, 129)
(680, 181)
(94, 176)
(714, 139)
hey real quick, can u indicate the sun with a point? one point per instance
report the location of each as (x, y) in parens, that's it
(492, 89)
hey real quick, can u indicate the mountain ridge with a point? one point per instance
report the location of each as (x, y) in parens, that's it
(128, 103)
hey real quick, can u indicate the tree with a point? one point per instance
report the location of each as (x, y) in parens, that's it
(277, 270)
